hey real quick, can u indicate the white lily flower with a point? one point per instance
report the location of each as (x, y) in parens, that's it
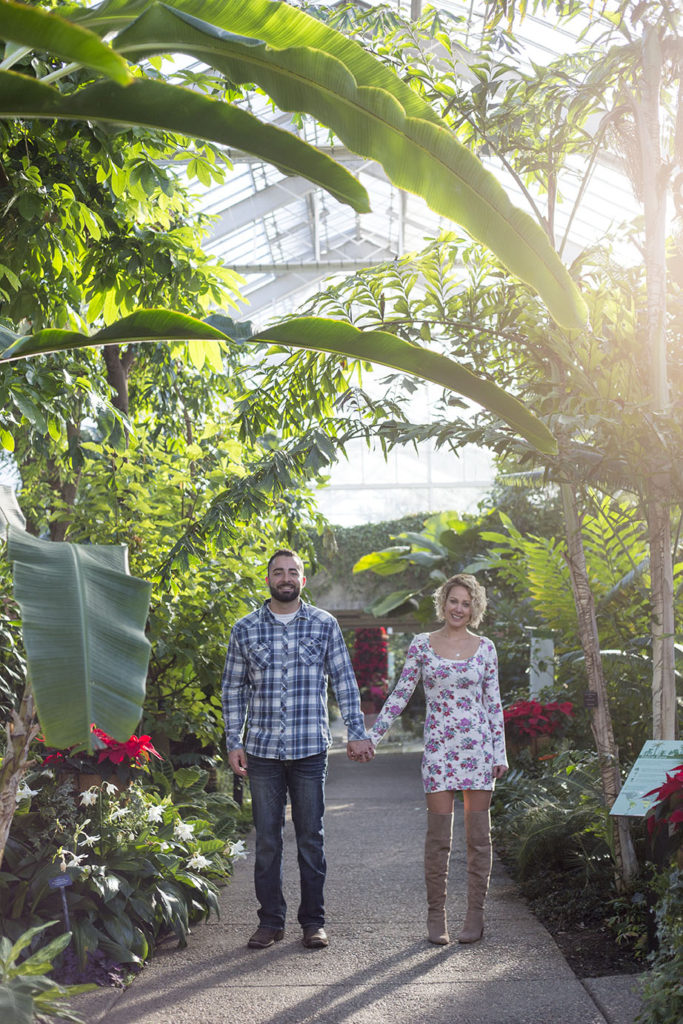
(74, 859)
(24, 792)
(183, 830)
(155, 812)
(238, 850)
(85, 840)
(89, 796)
(110, 788)
(119, 813)
(199, 861)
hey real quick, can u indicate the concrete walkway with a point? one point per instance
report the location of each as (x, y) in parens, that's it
(379, 967)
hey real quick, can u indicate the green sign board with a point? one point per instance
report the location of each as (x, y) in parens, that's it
(649, 772)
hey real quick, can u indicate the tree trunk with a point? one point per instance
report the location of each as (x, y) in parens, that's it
(608, 755)
(21, 732)
(664, 718)
(118, 369)
(654, 181)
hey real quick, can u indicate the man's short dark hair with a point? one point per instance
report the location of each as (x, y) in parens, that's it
(287, 553)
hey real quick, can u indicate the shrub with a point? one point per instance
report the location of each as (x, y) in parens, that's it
(142, 863)
(26, 993)
(663, 991)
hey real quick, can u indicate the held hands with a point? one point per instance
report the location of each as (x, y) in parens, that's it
(360, 750)
(498, 770)
(237, 760)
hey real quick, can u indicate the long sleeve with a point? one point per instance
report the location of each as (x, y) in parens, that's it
(493, 707)
(343, 679)
(399, 696)
(235, 693)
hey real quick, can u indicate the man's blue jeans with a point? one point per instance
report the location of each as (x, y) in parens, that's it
(269, 781)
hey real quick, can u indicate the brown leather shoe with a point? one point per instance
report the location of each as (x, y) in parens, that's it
(264, 937)
(315, 938)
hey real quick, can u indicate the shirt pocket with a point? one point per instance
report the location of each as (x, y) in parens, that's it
(259, 655)
(310, 652)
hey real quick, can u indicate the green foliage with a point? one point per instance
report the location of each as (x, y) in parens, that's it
(144, 862)
(662, 992)
(557, 823)
(536, 568)
(26, 993)
(136, 445)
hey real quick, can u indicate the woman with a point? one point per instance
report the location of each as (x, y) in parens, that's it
(464, 746)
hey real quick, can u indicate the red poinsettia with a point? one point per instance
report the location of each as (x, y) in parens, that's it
(527, 719)
(370, 663)
(135, 751)
(665, 818)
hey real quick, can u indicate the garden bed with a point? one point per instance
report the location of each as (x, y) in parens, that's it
(592, 952)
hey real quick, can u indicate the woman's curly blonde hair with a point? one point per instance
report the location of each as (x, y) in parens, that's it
(474, 589)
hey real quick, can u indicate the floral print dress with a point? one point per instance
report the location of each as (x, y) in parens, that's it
(464, 734)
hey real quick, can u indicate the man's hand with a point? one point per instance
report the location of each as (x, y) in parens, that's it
(237, 760)
(360, 750)
(499, 770)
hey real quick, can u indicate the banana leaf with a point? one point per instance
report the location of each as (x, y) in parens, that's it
(159, 105)
(315, 333)
(83, 620)
(278, 24)
(43, 30)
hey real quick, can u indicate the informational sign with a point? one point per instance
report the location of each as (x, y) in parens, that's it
(649, 772)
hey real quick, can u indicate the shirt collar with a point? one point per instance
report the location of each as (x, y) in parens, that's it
(303, 610)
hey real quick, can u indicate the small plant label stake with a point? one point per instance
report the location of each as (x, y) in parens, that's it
(62, 882)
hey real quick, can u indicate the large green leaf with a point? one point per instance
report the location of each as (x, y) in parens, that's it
(159, 105)
(43, 30)
(381, 347)
(145, 325)
(315, 333)
(278, 24)
(391, 602)
(387, 562)
(83, 621)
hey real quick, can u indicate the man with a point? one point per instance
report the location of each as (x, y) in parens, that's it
(275, 678)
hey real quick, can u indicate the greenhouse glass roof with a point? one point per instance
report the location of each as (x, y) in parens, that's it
(287, 237)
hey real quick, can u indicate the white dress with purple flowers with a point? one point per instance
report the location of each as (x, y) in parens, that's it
(464, 735)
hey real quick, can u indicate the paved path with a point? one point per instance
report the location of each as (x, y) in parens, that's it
(379, 967)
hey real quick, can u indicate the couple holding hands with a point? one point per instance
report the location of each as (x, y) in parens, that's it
(275, 682)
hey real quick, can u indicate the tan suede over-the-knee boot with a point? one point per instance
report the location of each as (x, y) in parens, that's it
(479, 855)
(437, 856)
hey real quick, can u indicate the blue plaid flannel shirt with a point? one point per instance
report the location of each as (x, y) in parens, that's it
(275, 678)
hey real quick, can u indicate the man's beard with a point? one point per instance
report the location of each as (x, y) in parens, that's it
(285, 592)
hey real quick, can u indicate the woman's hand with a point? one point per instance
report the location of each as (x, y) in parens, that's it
(499, 770)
